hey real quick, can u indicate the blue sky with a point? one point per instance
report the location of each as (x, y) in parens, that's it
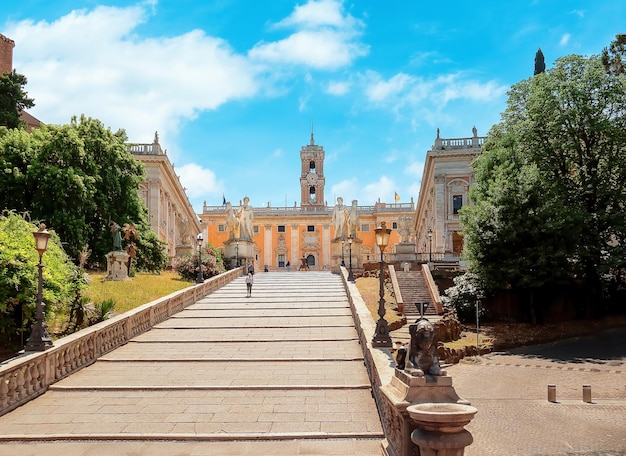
(233, 87)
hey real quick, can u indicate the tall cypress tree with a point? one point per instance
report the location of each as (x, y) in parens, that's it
(540, 63)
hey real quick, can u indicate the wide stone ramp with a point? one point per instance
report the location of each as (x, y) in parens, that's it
(278, 373)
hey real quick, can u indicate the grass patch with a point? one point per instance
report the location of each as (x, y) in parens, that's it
(128, 294)
(369, 287)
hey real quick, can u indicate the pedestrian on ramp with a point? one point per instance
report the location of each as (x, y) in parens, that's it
(249, 282)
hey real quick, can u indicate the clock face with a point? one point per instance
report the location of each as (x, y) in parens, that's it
(311, 178)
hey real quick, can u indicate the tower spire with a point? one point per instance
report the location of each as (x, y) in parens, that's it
(312, 134)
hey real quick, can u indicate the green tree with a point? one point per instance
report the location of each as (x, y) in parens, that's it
(614, 57)
(549, 205)
(151, 254)
(540, 62)
(13, 98)
(77, 178)
(62, 280)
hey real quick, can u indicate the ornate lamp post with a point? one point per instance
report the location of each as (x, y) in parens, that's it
(39, 339)
(343, 263)
(430, 245)
(381, 336)
(350, 275)
(199, 277)
(237, 253)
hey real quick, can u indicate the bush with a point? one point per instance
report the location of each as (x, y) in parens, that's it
(151, 255)
(63, 282)
(187, 266)
(462, 297)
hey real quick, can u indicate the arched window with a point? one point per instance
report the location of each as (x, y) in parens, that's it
(312, 195)
(311, 166)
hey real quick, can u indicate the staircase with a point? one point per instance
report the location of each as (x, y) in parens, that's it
(414, 289)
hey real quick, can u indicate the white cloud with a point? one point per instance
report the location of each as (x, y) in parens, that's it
(414, 97)
(338, 88)
(564, 40)
(91, 62)
(379, 90)
(324, 37)
(323, 49)
(318, 13)
(199, 181)
(347, 189)
(415, 169)
(384, 189)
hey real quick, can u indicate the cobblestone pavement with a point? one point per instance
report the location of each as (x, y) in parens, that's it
(515, 418)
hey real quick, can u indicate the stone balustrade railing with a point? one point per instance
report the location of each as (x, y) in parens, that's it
(25, 377)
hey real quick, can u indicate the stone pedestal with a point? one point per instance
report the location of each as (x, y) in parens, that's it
(117, 265)
(356, 253)
(405, 251)
(406, 390)
(244, 251)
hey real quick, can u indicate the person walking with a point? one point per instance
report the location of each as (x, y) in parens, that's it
(249, 282)
(288, 266)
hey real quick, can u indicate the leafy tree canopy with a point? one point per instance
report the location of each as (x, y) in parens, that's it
(76, 178)
(549, 204)
(13, 98)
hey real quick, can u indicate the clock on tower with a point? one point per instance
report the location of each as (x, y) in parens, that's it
(312, 179)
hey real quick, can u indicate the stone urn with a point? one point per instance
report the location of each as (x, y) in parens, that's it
(441, 428)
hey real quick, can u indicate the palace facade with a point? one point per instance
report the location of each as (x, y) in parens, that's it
(445, 186)
(171, 215)
(309, 233)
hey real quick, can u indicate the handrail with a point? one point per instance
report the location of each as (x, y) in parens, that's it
(432, 289)
(28, 376)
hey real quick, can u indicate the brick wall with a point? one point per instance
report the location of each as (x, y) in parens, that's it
(6, 54)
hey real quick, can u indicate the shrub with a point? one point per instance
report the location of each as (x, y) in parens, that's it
(462, 297)
(151, 255)
(63, 282)
(187, 266)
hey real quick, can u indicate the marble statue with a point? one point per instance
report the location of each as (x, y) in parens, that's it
(404, 228)
(232, 222)
(340, 219)
(246, 220)
(354, 219)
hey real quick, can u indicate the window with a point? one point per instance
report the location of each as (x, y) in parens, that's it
(281, 260)
(365, 228)
(255, 229)
(312, 196)
(394, 225)
(311, 166)
(221, 228)
(280, 228)
(310, 228)
(457, 203)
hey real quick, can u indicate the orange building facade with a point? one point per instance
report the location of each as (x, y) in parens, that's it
(295, 235)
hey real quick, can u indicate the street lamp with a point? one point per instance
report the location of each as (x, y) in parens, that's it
(381, 336)
(430, 245)
(39, 339)
(199, 277)
(343, 263)
(350, 275)
(237, 254)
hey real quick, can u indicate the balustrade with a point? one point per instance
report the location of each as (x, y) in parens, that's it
(25, 377)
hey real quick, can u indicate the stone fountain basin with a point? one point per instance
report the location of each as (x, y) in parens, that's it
(441, 417)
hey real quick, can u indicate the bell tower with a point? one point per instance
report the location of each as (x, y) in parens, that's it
(312, 178)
